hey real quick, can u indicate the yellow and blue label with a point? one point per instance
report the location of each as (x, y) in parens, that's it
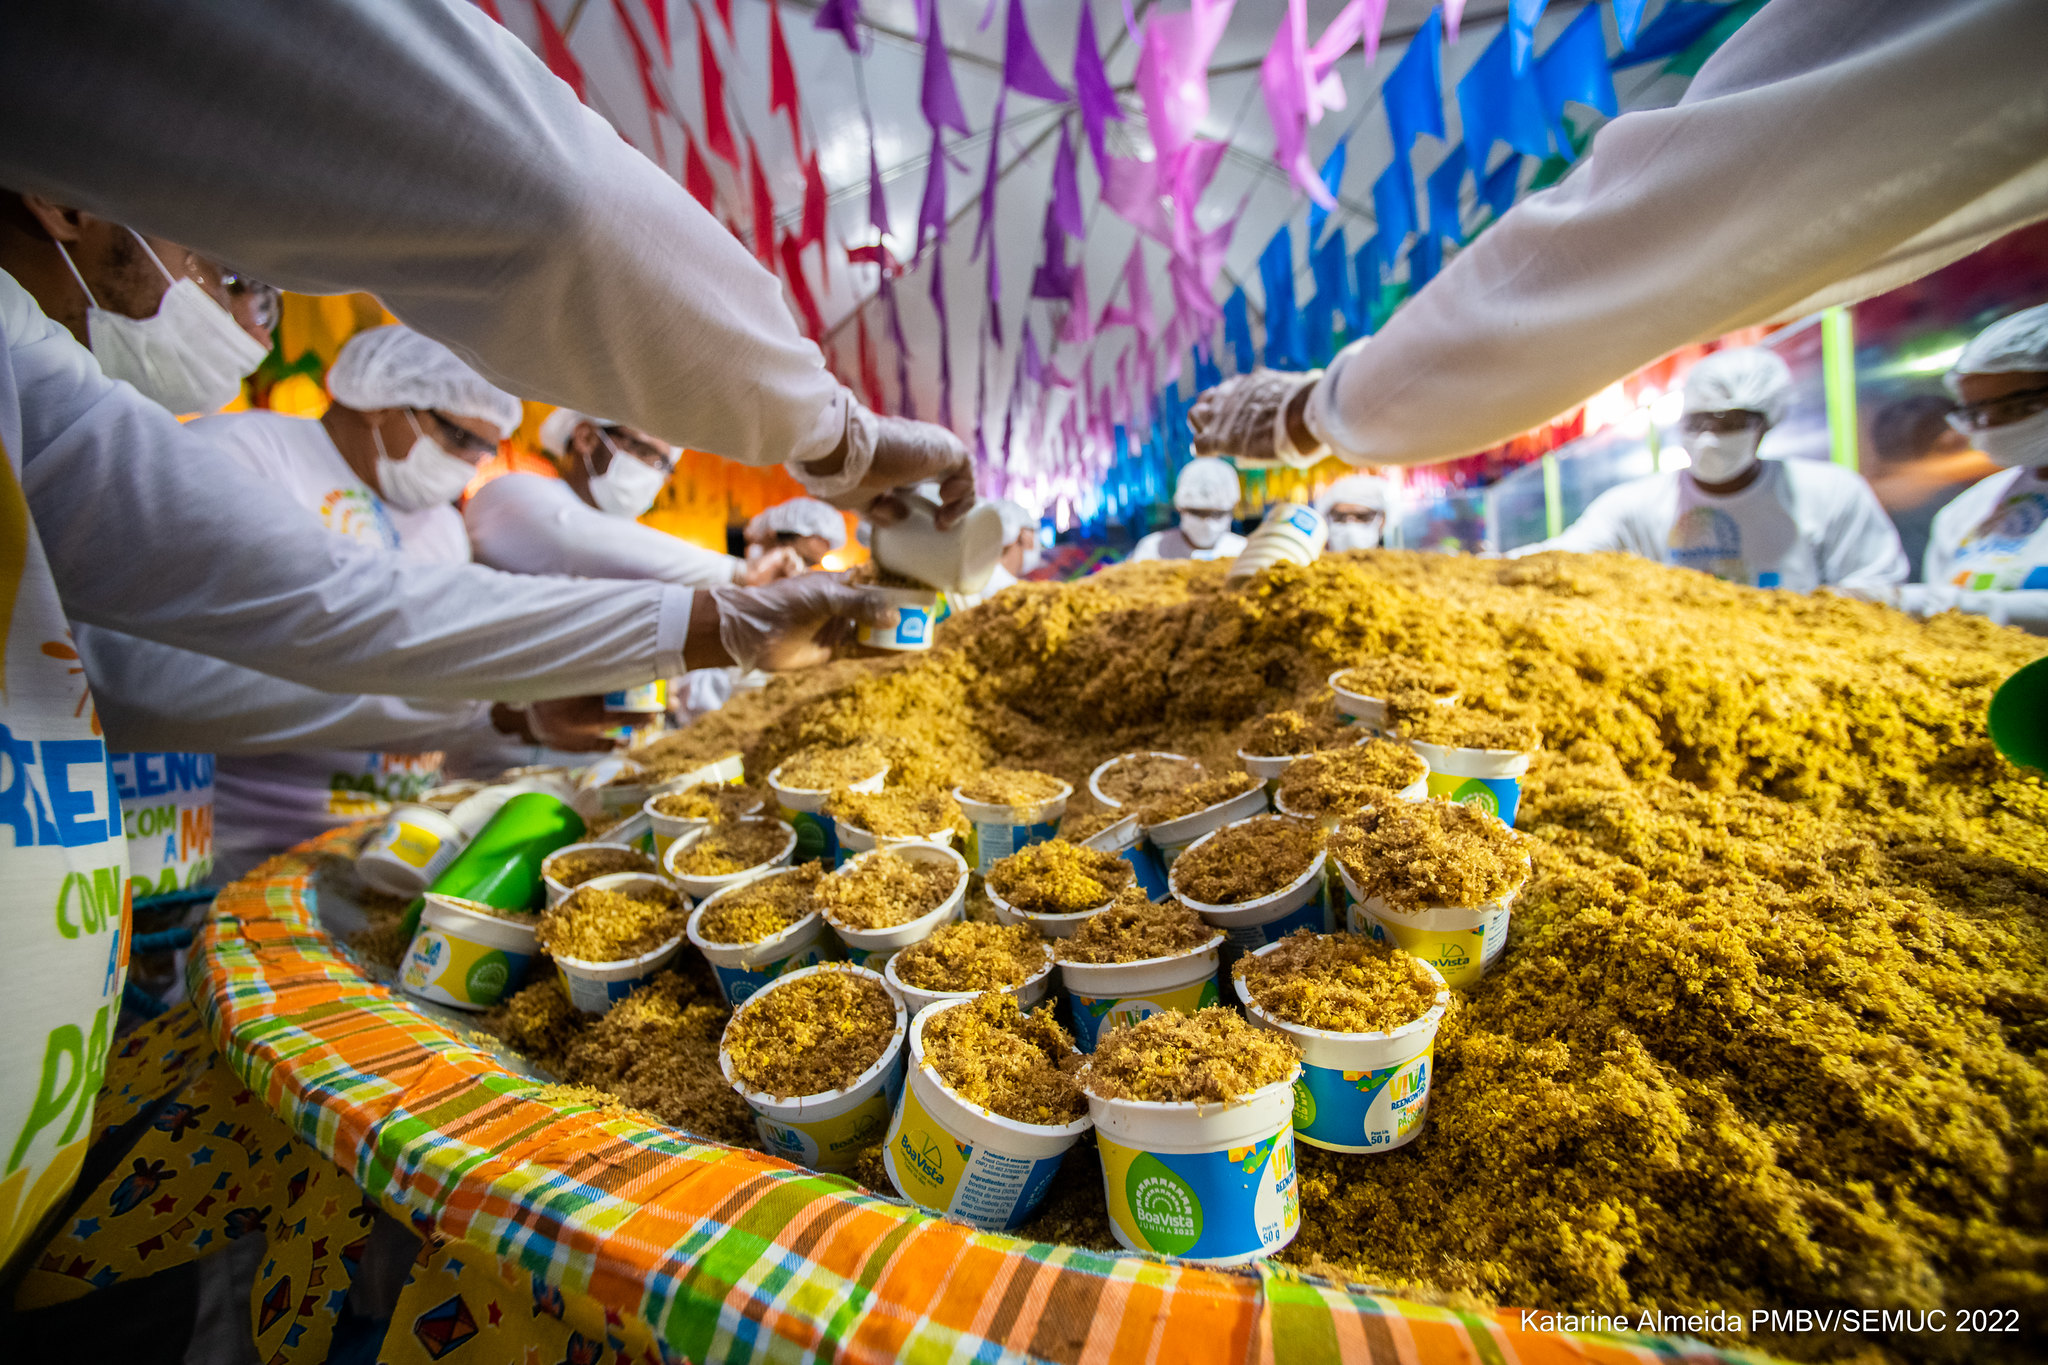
(988, 844)
(1497, 796)
(939, 1173)
(737, 983)
(1229, 1205)
(1363, 1111)
(831, 1144)
(456, 971)
(1094, 1016)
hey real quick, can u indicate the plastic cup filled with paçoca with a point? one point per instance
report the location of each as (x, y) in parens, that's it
(882, 901)
(806, 780)
(1136, 959)
(610, 935)
(1009, 809)
(756, 931)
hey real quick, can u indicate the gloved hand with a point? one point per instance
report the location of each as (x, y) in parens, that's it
(574, 724)
(771, 566)
(882, 454)
(795, 623)
(1258, 416)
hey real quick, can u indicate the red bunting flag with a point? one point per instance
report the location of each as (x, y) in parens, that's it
(650, 89)
(870, 372)
(657, 14)
(799, 287)
(554, 50)
(763, 205)
(490, 7)
(697, 175)
(782, 79)
(717, 132)
(725, 17)
(813, 230)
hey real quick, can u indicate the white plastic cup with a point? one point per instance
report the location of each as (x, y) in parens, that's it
(803, 808)
(1048, 926)
(1213, 1184)
(1171, 838)
(854, 839)
(1418, 790)
(1095, 778)
(744, 968)
(449, 795)
(917, 1000)
(1127, 841)
(872, 948)
(1490, 779)
(669, 828)
(1370, 712)
(464, 957)
(1359, 1092)
(415, 844)
(1111, 995)
(557, 888)
(595, 987)
(632, 832)
(959, 1160)
(646, 699)
(1268, 770)
(917, 621)
(1250, 925)
(827, 1131)
(718, 772)
(710, 886)
(959, 559)
(1291, 533)
(1461, 942)
(995, 830)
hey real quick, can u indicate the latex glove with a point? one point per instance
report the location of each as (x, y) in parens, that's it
(882, 454)
(794, 623)
(771, 566)
(1258, 416)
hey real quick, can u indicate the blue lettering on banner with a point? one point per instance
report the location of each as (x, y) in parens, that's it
(21, 805)
(73, 810)
(148, 775)
(140, 775)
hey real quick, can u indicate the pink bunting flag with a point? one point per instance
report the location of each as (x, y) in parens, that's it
(1140, 287)
(554, 50)
(1066, 188)
(1130, 189)
(650, 89)
(657, 16)
(841, 17)
(1173, 74)
(792, 252)
(1300, 83)
(782, 96)
(763, 207)
(1454, 11)
(697, 175)
(725, 17)
(870, 373)
(1078, 329)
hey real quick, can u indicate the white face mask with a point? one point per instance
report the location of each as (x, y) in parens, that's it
(1204, 529)
(428, 476)
(2016, 445)
(1033, 557)
(1354, 535)
(189, 356)
(1718, 457)
(627, 487)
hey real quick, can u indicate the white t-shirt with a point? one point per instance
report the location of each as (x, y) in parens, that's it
(1988, 553)
(267, 803)
(1801, 525)
(1171, 544)
(533, 524)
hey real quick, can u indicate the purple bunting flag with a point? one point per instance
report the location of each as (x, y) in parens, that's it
(1023, 69)
(1092, 89)
(1066, 188)
(940, 97)
(841, 17)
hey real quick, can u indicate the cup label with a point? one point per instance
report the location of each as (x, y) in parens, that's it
(817, 836)
(410, 844)
(1094, 1016)
(1313, 915)
(1497, 796)
(1462, 955)
(740, 982)
(988, 843)
(1363, 1111)
(939, 1173)
(830, 1144)
(1219, 1205)
(455, 971)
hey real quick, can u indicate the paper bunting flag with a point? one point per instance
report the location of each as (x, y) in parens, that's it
(1575, 69)
(650, 89)
(1078, 328)
(1522, 17)
(1054, 278)
(1023, 69)
(697, 175)
(841, 17)
(554, 50)
(782, 96)
(725, 17)
(1393, 205)
(1454, 14)
(792, 252)
(906, 401)
(940, 98)
(938, 295)
(1066, 188)
(1500, 186)
(931, 213)
(989, 177)
(1130, 189)
(870, 373)
(1500, 106)
(1237, 332)
(763, 205)
(1276, 273)
(711, 80)
(1414, 94)
(1093, 91)
(1332, 177)
(657, 18)
(1173, 75)
(1443, 188)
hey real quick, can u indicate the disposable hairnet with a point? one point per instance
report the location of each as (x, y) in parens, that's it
(1206, 484)
(1354, 490)
(800, 517)
(558, 428)
(2011, 345)
(1015, 519)
(1747, 379)
(396, 367)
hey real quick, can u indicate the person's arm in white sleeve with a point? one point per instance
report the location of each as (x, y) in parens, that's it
(1830, 150)
(2026, 608)
(417, 150)
(1862, 549)
(1600, 527)
(527, 524)
(152, 696)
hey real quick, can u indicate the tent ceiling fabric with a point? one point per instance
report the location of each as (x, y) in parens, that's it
(890, 71)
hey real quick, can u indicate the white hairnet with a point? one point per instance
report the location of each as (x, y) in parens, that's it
(558, 428)
(1016, 521)
(2011, 345)
(1206, 483)
(396, 367)
(1747, 379)
(799, 517)
(1354, 490)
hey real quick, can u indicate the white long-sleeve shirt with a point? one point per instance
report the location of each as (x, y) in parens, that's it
(1987, 554)
(1832, 149)
(533, 524)
(416, 150)
(1801, 525)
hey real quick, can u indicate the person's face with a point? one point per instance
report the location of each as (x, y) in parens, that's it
(122, 279)
(1354, 514)
(1996, 400)
(1013, 553)
(469, 439)
(595, 446)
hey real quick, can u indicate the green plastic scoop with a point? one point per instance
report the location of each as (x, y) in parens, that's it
(2018, 717)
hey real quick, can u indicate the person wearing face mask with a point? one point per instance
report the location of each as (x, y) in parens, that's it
(1356, 508)
(384, 466)
(1204, 495)
(586, 521)
(805, 527)
(1988, 550)
(1792, 524)
(180, 328)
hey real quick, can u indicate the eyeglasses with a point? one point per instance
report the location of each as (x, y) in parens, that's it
(458, 440)
(1360, 517)
(1719, 423)
(264, 303)
(1971, 418)
(640, 448)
